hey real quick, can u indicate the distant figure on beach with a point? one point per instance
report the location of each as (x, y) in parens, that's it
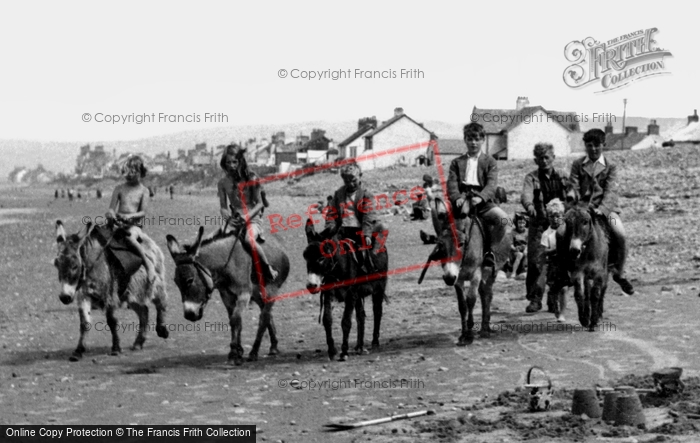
(172, 191)
(70, 194)
(98, 193)
(55, 194)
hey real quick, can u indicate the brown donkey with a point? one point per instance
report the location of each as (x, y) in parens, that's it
(222, 263)
(584, 250)
(334, 271)
(461, 254)
(89, 272)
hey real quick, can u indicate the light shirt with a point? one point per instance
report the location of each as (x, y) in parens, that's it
(549, 239)
(349, 216)
(600, 160)
(472, 178)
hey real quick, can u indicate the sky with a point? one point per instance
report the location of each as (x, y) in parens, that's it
(64, 60)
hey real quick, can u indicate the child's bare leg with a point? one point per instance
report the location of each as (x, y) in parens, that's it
(260, 253)
(132, 238)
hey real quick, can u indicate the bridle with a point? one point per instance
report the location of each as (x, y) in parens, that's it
(203, 273)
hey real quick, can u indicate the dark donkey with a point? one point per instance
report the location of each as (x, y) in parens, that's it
(461, 253)
(222, 263)
(584, 250)
(87, 271)
(333, 270)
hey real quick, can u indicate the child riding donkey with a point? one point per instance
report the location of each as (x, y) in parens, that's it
(472, 184)
(233, 209)
(593, 180)
(128, 209)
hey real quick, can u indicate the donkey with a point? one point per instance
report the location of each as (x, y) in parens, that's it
(333, 271)
(461, 253)
(89, 273)
(222, 263)
(584, 250)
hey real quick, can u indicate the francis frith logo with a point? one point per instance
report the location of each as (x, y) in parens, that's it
(616, 62)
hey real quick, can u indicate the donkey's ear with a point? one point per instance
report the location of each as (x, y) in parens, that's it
(84, 233)
(60, 232)
(173, 245)
(198, 242)
(311, 234)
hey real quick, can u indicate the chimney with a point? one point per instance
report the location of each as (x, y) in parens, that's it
(398, 111)
(653, 128)
(693, 118)
(608, 128)
(630, 130)
(521, 103)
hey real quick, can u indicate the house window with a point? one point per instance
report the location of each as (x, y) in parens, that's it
(368, 143)
(353, 151)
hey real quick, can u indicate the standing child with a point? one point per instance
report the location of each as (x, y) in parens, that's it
(552, 275)
(518, 248)
(128, 206)
(234, 163)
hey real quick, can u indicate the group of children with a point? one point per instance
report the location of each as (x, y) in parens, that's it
(471, 186)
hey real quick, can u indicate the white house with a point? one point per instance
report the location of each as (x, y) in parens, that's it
(374, 145)
(513, 133)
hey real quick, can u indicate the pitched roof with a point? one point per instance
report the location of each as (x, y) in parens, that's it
(393, 120)
(507, 119)
(355, 136)
(648, 142)
(690, 132)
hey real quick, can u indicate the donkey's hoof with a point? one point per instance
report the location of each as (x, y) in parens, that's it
(137, 347)
(343, 357)
(162, 331)
(485, 333)
(361, 351)
(253, 357)
(116, 351)
(465, 340)
(273, 351)
(235, 359)
(76, 357)
(375, 347)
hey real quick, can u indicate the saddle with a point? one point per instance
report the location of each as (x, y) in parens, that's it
(115, 238)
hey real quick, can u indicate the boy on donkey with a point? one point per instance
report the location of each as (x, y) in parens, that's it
(593, 180)
(473, 180)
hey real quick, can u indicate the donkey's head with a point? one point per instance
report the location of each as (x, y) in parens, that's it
(447, 247)
(69, 261)
(579, 228)
(320, 255)
(192, 279)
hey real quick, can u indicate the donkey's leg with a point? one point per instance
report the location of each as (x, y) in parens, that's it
(271, 329)
(587, 302)
(360, 316)
(114, 328)
(85, 325)
(378, 309)
(328, 323)
(486, 294)
(465, 314)
(142, 313)
(240, 303)
(262, 327)
(159, 302)
(597, 294)
(346, 322)
(579, 298)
